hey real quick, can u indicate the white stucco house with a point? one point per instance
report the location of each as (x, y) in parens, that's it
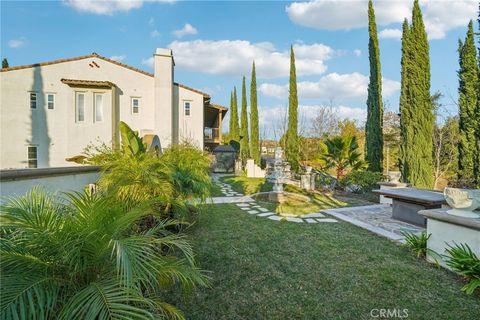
(51, 111)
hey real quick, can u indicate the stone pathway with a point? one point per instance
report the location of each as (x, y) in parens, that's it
(375, 218)
(227, 189)
(248, 205)
(251, 207)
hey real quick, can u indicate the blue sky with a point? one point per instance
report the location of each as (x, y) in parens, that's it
(215, 42)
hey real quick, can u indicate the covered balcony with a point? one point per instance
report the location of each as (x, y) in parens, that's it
(212, 133)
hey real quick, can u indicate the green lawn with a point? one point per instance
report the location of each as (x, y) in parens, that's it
(320, 201)
(246, 185)
(263, 269)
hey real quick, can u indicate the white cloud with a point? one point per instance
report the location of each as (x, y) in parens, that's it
(357, 52)
(118, 58)
(108, 7)
(17, 43)
(154, 34)
(390, 34)
(149, 62)
(345, 15)
(235, 57)
(332, 86)
(440, 16)
(187, 29)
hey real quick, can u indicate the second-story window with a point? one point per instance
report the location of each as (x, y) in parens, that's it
(50, 101)
(187, 108)
(98, 107)
(135, 105)
(33, 100)
(80, 107)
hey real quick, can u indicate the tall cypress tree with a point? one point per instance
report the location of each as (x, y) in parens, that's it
(406, 137)
(468, 95)
(374, 124)
(244, 145)
(417, 119)
(234, 128)
(254, 135)
(5, 63)
(292, 151)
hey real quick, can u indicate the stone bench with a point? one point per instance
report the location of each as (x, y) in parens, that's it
(407, 202)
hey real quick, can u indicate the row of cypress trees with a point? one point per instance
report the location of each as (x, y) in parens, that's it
(249, 143)
(416, 108)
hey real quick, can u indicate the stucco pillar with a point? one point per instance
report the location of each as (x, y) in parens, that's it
(115, 118)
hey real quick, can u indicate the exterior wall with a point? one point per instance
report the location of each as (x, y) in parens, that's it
(190, 128)
(72, 179)
(55, 132)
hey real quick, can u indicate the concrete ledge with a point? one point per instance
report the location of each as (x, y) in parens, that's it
(442, 215)
(36, 173)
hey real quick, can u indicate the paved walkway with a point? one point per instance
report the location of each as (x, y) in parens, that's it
(375, 218)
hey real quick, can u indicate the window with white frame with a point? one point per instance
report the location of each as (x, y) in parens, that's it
(80, 107)
(98, 98)
(32, 157)
(135, 105)
(33, 100)
(50, 101)
(187, 108)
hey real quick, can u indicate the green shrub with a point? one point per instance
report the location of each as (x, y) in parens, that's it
(463, 260)
(361, 181)
(418, 244)
(81, 258)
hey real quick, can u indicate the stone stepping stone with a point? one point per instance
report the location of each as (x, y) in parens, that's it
(275, 217)
(246, 208)
(327, 220)
(243, 204)
(253, 211)
(263, 209)
(296, 220)
(310, 220)
(313, 215)
(265, 214)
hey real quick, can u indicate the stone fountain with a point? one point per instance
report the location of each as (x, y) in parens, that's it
(279, 174)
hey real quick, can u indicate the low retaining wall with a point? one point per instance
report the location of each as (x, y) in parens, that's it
(446, 229)
(17, 182)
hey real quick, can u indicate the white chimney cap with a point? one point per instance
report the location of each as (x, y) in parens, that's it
(163, 52)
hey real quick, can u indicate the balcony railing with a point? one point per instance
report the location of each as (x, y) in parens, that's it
(211, 134)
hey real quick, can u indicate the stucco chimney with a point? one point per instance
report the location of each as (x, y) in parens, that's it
(164, 98)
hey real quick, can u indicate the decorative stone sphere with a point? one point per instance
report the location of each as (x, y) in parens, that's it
(463, 202)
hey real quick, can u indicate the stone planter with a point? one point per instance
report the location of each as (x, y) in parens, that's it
(463, 202)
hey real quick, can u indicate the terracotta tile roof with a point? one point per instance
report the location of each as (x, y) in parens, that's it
(88, 83)
(206, 95)
(93, 55)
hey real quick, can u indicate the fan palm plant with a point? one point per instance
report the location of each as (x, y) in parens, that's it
(341, 153)
(81, 259)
